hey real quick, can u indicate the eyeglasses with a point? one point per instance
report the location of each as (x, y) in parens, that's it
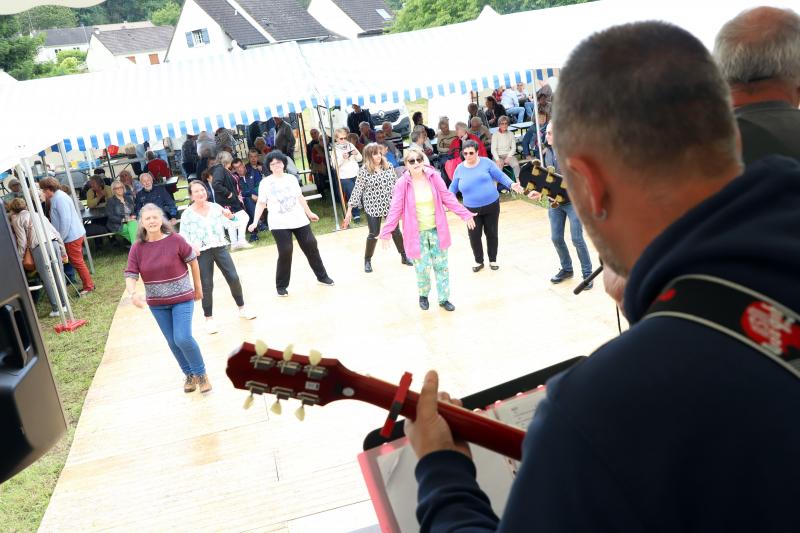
(471, 152)
(414, 161)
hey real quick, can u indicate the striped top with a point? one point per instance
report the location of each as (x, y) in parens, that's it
(162, 266)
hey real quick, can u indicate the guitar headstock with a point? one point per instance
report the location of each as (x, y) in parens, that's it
(308, 378)
(548, 182)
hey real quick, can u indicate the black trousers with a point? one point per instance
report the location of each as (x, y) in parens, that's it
(222, 258)
(486, 221)
(308, 244)
(374, 225)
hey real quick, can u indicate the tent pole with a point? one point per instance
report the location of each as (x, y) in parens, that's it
(536, 117)
(63, 150)
(29, 190)
(328, 161)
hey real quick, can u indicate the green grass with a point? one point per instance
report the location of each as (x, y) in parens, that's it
(75, 357)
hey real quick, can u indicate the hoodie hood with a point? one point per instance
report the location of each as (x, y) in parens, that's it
(748, 233)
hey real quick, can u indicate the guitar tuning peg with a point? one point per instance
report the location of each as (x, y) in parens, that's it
(314, 357)
(288, 352)
(551, 169)
(300, 413)
(261, 347)
(276, 407)
(248, 402)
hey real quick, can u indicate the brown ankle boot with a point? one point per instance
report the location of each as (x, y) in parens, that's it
(190, 385)
(203, 382)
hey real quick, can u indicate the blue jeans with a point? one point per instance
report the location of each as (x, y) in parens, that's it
(529, 109)
(347, 188)
(528, 141)
(175, 322)
(517, 112)
(558, 217)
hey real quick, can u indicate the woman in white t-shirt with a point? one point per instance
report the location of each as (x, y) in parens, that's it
(287, 214)
(347, 159)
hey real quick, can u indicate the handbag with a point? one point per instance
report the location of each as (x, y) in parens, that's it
(27, 260)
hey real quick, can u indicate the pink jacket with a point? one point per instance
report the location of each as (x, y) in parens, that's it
(404, 205)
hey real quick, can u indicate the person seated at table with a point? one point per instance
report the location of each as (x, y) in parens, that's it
(494, 110)
(497, 94)
(98, 193)
(392, 153)
(132, 186)
(393, 137)
(15, 188)
(504, 147)
(366, 135)
(444, 136)
(475, 111)
(158, 168)
(419, 141)
(510, 101)
(481, 131)
(120, 212)
(416, 118)
(462, 136)
(157, 195)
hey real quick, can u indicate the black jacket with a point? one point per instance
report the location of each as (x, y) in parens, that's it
(157, 195)
(225, 191)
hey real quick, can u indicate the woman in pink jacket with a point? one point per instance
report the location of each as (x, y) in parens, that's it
(419, 199)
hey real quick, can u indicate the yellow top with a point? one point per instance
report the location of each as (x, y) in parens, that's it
(423, 194)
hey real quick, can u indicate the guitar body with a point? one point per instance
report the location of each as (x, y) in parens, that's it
(314, 380)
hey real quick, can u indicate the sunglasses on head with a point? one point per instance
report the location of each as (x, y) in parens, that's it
(414, 160)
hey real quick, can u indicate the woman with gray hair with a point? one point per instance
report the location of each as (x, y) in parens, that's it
(164, 261)
(228, 194)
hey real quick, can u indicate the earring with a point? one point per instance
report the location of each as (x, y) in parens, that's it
(602, 215)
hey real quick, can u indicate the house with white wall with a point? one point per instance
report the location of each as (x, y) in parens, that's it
(58, 39)
(352, 18)
(213, 27)
(139, 46)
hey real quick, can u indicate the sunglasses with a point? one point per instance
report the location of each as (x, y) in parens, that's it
(414, 160)
(471, 152)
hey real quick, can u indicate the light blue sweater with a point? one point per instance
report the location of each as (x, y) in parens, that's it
(477, 185)
(65, 218)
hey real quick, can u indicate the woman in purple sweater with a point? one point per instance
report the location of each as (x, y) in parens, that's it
(160, 256)
(419, 199)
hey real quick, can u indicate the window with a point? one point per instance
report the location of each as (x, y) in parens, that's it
(383, 13)
(154, 59)
(197, 38)
(57, 50)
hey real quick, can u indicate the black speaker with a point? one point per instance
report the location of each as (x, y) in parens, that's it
(31, 417)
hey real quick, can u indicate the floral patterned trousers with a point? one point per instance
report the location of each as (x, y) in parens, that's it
(432, 256)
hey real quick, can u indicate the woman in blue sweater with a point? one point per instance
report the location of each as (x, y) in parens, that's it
(476, 178)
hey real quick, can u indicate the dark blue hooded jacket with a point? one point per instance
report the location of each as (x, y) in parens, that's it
(672, 426)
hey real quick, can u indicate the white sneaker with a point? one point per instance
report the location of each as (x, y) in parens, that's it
(211, 326)
(246, 313)
(54, 314)
(244, 245)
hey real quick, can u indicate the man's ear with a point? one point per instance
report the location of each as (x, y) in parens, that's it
(591, 178)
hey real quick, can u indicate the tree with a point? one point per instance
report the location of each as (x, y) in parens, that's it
(16, 50)
(167, 15)
(46, 17)
(419, 14)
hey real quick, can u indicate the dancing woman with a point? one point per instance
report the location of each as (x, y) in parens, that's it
(476, 179)
(160, 256)
(203, 226)
(419, 199)
(375, 182)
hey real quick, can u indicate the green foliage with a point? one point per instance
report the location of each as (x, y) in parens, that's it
(394, 5)
(45, 17)
(167, 15)
(419, 14)
(115, 11)
(17, 53)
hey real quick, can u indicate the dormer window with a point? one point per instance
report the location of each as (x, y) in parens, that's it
(384, 14)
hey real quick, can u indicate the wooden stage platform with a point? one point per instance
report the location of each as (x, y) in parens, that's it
(147, 457)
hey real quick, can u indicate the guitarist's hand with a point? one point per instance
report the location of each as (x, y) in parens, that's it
(430, 433)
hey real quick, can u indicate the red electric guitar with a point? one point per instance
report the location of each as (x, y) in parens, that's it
(317, 381)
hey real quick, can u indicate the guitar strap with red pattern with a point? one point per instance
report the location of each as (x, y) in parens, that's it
(739, 312)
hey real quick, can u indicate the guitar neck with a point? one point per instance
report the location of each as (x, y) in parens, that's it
(467, 425)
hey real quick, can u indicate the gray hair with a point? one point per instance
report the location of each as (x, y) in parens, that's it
(654, 76)
(166, 227)
(758, 44)
(385, 122)
(364, 123)
(224, 158)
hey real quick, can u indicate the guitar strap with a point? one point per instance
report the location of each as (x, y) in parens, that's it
(746, 315)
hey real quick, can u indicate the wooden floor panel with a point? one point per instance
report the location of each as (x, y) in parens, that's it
(147, 457)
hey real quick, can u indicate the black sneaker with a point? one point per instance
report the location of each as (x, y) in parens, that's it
(423, 303)
(283, 292)
(326, 281)
(561, 276)
(447, 306)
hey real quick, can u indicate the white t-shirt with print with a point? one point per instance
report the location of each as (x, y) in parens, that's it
(283, 208)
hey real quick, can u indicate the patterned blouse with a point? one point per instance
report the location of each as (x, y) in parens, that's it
(207, 231)
(376, 189)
